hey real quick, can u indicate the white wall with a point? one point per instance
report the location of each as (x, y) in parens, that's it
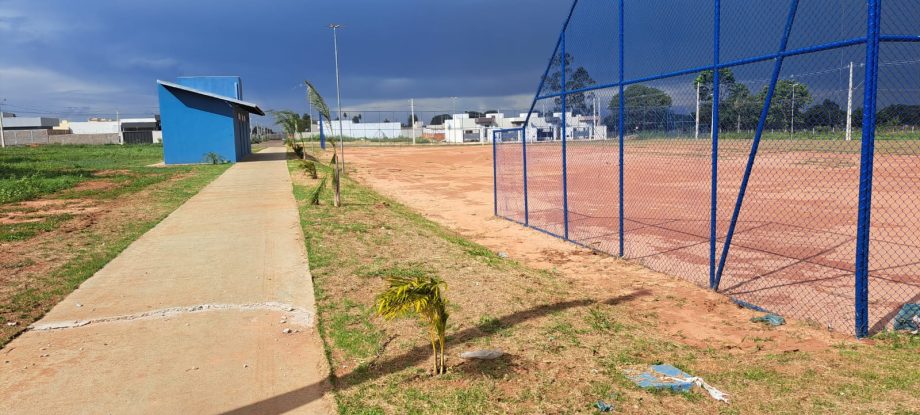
(363, 129)
(94, 127)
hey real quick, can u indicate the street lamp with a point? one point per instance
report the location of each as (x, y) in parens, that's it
(338, 94)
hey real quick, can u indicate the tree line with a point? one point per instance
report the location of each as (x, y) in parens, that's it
(649, 108)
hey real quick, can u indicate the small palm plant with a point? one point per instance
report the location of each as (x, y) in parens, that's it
(419, 295)
(318, 191)
(309, 167)
(320, 104)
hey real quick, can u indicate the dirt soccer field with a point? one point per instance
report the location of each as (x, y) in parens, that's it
(794, 243)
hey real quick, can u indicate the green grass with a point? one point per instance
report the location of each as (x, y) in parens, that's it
(26, 230)
(30, 172)
(563, 359)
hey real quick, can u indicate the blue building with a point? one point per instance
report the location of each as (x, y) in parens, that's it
(205, 114)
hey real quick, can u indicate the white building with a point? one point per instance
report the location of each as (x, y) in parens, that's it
(463, 129)
(93, 127)
(351, 129)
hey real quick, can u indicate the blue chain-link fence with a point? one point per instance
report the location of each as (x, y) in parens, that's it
(767, 150)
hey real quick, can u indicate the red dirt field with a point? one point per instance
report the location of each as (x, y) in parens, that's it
(794, 243)
(453, 186)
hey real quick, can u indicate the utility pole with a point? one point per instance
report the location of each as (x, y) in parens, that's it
(792, 116)
(121, 138)
(338, 93)
(453, 119)
(850, 106)
(412, 118)
(2, 139)
(697, 133)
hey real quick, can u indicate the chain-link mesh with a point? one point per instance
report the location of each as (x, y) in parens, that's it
(753, 184)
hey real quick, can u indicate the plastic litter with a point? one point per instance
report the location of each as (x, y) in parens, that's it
(603, 406)
(907, 318)
(713, 392)
(770, 319)
(670, 377)
(482, 354)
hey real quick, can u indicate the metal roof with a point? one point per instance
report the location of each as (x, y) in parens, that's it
(248, 106)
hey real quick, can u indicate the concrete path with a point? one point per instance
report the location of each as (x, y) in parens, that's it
(189, 319)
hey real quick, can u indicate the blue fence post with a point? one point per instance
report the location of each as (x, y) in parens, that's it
(865, 170)
(565, 179)
(790, 18)
(322, 135)
(621, 116)
(494, 174)
(524, 150)
(717, 13)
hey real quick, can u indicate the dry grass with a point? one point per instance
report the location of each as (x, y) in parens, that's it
(567, 347)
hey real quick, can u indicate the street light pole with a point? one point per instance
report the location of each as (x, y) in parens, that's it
(850, 106)
(697, 133)
(792, 116)
(412, 117)
(338, 94)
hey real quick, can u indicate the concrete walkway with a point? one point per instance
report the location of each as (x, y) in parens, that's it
(191, 318)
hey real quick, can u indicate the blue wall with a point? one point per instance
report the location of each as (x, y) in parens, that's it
(194, 125)
(228, 86)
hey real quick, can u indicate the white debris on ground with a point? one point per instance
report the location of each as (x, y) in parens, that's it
(482, 354)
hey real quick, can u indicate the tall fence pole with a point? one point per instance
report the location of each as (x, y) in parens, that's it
(621, 116)
(752, 157)
(494, 174)
(717, 13)
(524, 155)
(865, 170)
(565, 178)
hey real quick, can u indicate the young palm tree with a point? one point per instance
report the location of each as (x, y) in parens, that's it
(421, 296)
(288, 120)
(320, 104)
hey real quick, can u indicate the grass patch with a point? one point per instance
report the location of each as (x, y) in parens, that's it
(26, 230)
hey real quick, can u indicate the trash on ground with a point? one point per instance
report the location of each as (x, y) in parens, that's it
(482, 354)
(907, 318)
(770, 319)
(503, 255)
(672, 378)
(603, 406)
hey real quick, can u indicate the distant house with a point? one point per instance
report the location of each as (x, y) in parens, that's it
(203, 115)
(28, 123)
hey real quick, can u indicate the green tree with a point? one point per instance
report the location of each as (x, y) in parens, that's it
(704, 80)
(411, 120)
(579, 103)
(440, 118)
(740, 108)
(826, 114)
(647, 108)
(789, 98)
